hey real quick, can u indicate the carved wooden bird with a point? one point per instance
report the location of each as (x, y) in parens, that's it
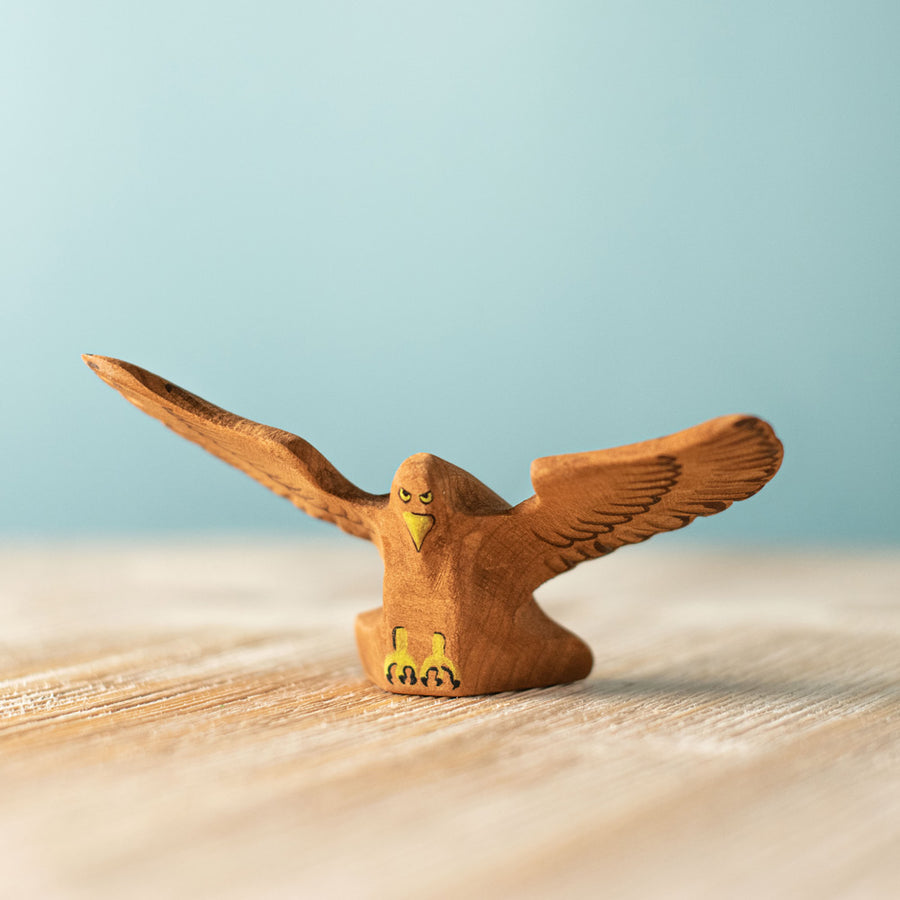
(460, 563)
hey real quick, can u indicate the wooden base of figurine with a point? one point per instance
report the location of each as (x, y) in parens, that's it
(530, 650)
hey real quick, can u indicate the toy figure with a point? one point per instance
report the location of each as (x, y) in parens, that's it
(460, 563)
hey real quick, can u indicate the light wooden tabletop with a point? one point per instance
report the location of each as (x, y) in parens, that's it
(189, 719)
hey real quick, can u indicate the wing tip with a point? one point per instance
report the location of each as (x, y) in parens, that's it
(125, 377)
(104, 366)
(92, 361)
(763, 431)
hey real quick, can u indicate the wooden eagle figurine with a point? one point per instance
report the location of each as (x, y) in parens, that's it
(461, 564)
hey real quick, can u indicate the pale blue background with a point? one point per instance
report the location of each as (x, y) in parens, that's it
(489, 230)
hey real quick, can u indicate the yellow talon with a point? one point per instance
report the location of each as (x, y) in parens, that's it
(400, 664)
(438, 663)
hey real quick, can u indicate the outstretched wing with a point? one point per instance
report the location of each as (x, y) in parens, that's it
(283, 462)
(588, 504)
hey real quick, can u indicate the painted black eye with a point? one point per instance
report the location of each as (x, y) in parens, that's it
(405, 495)
(427, 497)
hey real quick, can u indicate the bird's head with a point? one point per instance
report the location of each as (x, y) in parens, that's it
(428, 493)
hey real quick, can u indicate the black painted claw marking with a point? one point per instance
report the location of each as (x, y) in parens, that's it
(453, 681)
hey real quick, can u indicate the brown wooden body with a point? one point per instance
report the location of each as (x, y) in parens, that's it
(460, 564)
(456, 596)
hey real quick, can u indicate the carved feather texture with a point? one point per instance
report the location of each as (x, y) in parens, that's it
(588, 504)
(283, 462)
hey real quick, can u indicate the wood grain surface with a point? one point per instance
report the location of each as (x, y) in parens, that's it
(189, 719)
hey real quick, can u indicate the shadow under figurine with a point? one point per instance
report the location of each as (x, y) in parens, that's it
(460, 563)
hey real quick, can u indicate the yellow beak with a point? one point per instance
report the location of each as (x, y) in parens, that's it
(418, 524)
